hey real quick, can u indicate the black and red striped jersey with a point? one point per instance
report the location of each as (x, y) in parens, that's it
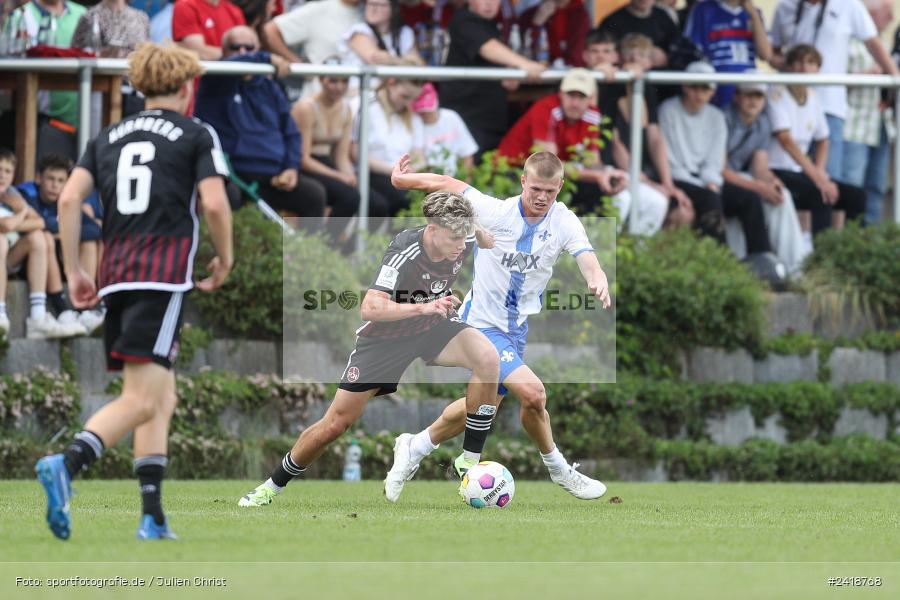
(146, 169)
(409, 276)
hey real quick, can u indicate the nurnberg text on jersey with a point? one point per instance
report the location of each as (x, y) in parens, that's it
(155, 125)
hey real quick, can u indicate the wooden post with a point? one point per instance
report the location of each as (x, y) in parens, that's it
(26, 125)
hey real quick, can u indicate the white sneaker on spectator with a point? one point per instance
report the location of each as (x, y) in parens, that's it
(44, 328)
(4, 325)
(68, 320)
(91, 319)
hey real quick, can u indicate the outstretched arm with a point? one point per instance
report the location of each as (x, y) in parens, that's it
(594, 276)
(403, 178)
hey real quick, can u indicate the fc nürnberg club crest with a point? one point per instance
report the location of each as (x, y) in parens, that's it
(438, 286)
(352, 374)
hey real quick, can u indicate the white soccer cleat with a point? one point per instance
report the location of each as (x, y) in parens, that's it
(91, 320)
(68, 321)
(578, 484)
(402, 470)
(44, 328)
(261, 496)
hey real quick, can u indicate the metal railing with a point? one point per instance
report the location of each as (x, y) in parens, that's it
(86, 68)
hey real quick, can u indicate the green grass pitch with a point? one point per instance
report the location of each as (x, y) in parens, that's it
(340, 540)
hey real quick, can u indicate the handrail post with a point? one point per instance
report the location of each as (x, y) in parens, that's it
(897, 152)
(365, 82)
(85, 74)
(636, 148)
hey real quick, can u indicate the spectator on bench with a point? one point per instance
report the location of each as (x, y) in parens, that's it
(447, 139)
(475, 42)
(22, 241)
(325, 121)
(696, 136)
(200, 25)
(799, 124)
(747, 167)
(316, 27)
(642, 16)
(394, 130)
(566, 121)
(252, 117)
(42, 195)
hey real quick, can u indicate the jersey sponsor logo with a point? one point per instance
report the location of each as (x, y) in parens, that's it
(387, 277)
(520, 261)
(352, 374)
(438, 286)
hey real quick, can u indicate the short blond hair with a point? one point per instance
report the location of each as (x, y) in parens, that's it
(450, 211)
(544, 165)
(157, 70)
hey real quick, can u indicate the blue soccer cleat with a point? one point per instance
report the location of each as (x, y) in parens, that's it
(53, 475)
(149, 530)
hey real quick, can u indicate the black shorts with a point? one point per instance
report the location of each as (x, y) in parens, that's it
(142, 326)
(379, 363)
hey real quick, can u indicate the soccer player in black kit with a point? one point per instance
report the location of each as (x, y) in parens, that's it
(149, 170)
(410, 312)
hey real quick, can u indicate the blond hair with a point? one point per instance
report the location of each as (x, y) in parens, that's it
(157, 70)
(450, 211)
(544, 165)
(406, 115)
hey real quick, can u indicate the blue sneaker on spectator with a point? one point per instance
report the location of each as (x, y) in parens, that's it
(57, 482)
(149, 530)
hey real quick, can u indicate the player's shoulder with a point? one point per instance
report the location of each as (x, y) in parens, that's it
(406, 240)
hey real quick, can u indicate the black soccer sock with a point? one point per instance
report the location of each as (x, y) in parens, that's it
(82, 452)
(58, 302)
(478, 425)
(286, 471)
(150, 471)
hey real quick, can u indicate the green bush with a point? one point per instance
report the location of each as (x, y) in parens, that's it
(249, 303)
(677, 292)
(858, 266)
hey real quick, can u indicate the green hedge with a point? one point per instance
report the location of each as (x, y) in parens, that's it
(635, 419)
(856, 266)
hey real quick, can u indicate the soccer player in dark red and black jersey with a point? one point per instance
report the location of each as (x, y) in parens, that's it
(150, 170)
(410, 313)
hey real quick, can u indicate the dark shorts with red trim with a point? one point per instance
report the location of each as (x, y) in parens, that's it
(379, 363)
(142, 326)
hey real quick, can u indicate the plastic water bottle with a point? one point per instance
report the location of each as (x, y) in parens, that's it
(423, 40)
(528, 43)
(437, 46)
(542, 50)
(96, 39)
(352, 469)
(23, 40)
(515, 38)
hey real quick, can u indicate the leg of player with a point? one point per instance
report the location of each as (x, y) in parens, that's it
(472, 350)
(345, 409)
(136, 405)
(150, 460)
(33, 246)
(529, 389)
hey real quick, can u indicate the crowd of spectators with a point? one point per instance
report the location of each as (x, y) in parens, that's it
(761, 168)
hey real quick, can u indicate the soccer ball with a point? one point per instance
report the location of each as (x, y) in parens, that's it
(488, 485)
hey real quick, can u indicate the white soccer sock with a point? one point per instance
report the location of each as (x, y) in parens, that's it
(808, 241)
(421, 446)
(554, 460)
(2, 309)
(38, 301)
(271, 485)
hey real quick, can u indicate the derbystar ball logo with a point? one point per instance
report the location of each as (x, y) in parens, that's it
(520, 261)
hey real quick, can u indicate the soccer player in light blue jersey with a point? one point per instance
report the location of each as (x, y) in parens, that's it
(529, 233)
